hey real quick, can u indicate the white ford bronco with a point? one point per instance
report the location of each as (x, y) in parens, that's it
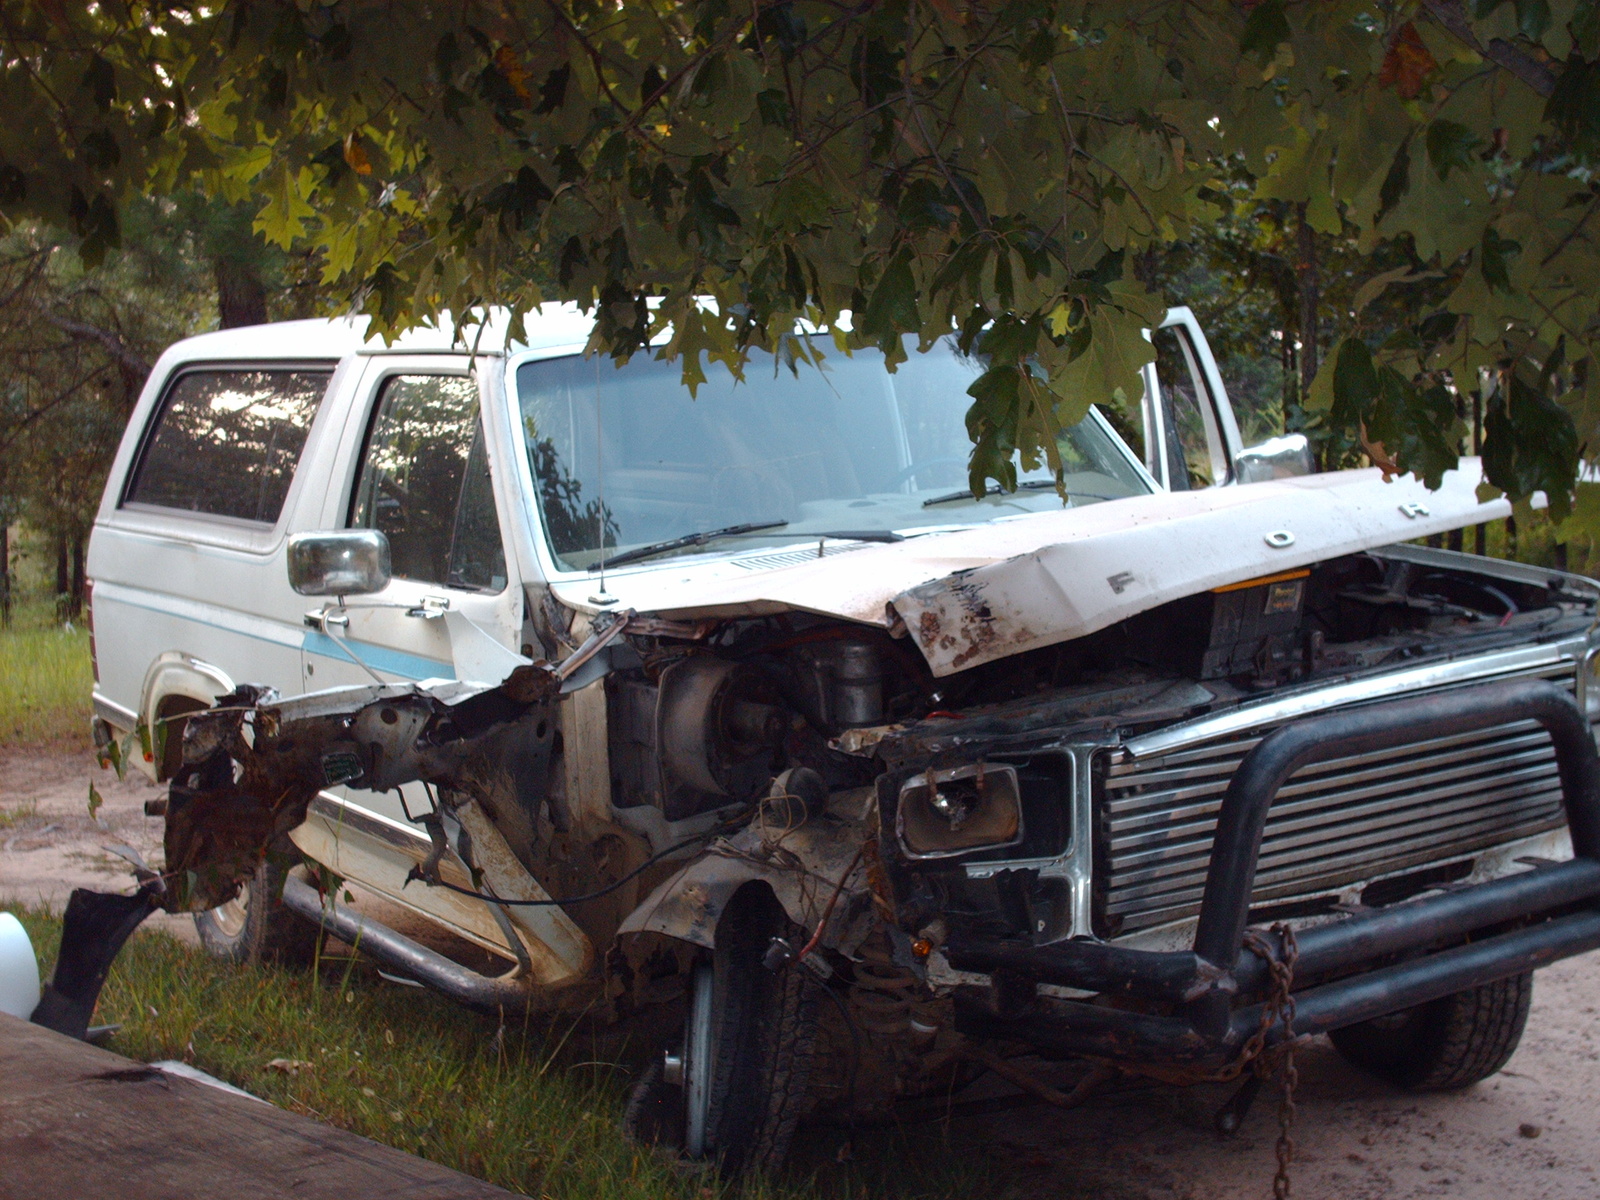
(741, 702)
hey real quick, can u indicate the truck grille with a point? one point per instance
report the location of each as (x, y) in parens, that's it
(1333, 823)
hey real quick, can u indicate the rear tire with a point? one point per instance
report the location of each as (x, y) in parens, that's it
(1446, 1044)
(255, 926)
(755, 1057)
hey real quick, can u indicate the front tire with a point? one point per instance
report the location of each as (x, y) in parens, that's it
(255, 927)
(1447, 1044)
(741, 1078)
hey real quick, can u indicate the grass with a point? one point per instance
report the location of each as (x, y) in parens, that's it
(533, 1109)
(45, 681)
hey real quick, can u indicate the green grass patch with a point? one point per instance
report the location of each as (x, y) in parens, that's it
(45, 682)
(533, 1108)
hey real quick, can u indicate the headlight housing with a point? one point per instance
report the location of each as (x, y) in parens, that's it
(959, 810)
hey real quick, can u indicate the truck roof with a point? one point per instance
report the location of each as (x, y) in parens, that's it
(553, 326)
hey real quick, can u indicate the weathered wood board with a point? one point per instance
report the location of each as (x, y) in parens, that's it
(78, 1123)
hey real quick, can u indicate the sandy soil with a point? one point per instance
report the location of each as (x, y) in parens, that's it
(49, 844)
(1530, 1133)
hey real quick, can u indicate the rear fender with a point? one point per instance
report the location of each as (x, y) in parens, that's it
(176, 675)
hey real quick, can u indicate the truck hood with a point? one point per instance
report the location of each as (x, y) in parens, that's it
(974, 595)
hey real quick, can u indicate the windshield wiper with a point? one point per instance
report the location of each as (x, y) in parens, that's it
(858, 535)
(688, 539)
(1027, 485)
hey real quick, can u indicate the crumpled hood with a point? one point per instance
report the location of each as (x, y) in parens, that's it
(975, 595)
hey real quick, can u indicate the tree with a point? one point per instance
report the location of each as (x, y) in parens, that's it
(77, 346)
(982, 169)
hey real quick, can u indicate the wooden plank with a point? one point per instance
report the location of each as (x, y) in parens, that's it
(77, 1121)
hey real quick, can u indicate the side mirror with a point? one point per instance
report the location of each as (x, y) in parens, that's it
(340, 562)
(1275, 458)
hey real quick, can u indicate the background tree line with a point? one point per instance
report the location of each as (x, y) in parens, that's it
(77, 342)
(1382, 210)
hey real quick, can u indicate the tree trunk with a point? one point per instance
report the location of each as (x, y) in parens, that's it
(1309, 294)
(241, 296)
(75, 597)
(5, 574)
(1480, 533)
(63, 577)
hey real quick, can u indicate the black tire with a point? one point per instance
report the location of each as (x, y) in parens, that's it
(256, 927)
(1446, 1044)
(654, 1116)
(763, 1029)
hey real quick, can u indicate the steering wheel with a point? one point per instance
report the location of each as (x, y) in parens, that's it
(905, 474)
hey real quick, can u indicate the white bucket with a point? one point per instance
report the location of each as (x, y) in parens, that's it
(19, 969)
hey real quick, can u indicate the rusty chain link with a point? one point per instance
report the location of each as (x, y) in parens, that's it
(1253, 1055)
(1278, 1006)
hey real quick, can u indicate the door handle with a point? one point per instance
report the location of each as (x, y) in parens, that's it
(430, 607)
(321, 618)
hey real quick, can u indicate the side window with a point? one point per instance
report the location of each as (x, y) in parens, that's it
(1196, 455)
(225, 443)
(425, 483)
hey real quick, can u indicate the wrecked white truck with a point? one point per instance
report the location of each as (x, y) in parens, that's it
(743, 703)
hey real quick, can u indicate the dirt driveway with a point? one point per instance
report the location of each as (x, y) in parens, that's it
(1530, 1133)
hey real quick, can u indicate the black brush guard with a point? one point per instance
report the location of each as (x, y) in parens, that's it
(1366, 965)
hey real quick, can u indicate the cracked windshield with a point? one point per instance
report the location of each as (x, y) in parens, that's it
(628, 456)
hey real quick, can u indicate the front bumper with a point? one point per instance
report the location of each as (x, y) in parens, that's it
(1200, 1005)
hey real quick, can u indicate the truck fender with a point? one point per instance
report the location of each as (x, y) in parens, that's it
(176, 674)
(817, 871)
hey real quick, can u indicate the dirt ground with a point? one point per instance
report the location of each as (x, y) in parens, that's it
(1530, 1133)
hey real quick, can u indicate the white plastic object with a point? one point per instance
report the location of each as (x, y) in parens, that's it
(19, 969)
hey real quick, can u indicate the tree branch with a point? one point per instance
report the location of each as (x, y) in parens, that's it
(1452, 17)
(129, 363)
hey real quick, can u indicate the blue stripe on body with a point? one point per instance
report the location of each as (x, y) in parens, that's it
(379, 658)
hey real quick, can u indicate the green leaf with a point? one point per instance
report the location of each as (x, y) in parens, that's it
(1377, 285)
(1494, 253)
(1530, 444)
(100, 80)
(773, 105)
(1574, 104)
(1264, 29)
(1397, 182)
(284, 216)
(892, 308)
(553, 91)
(1533, 18)
(613, 157)
(1355, 383)
(798, 203)
(95, 801)
(1416, 425)
(1450, 145)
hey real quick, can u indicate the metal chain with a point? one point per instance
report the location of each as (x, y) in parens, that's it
(1279, 1006)
(1253, 1055)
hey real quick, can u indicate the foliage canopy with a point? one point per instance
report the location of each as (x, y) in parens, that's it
(984, 169)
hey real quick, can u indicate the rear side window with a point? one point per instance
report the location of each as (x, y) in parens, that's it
(225, 443)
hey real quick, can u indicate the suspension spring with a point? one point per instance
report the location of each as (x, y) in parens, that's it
(883, 992)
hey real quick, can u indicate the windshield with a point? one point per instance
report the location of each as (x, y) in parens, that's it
(847, 447)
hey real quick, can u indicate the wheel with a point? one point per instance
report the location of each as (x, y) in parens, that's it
(255, 926)
(733, 1089)
(1447, 1044)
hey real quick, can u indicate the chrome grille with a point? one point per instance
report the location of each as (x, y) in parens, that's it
(1333, 823)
